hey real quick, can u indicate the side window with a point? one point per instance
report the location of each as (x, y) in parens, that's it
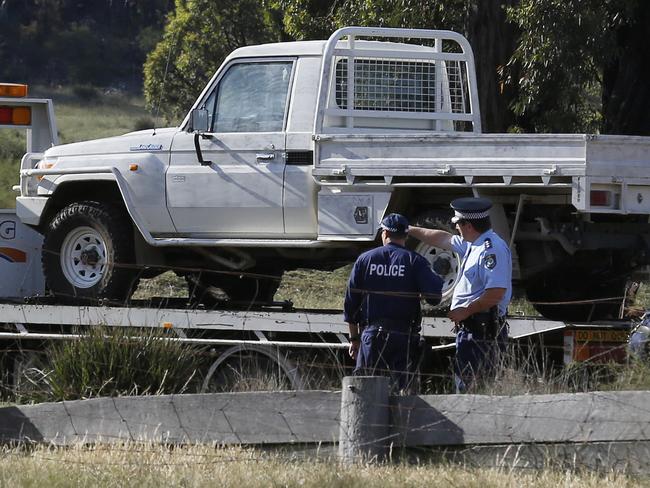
(252, 97)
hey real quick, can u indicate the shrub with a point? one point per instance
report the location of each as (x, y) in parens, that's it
(143, 123)
(12, 145)
(107, 361)
(85, 93)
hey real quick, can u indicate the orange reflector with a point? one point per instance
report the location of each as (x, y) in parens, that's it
(133, 167)
(15, 115)
(601, 198)
(22, 116)
(13, 90)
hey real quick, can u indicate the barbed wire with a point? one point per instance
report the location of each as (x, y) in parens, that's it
(328, 366)
(274, 277)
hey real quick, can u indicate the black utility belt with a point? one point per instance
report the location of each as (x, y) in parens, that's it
(483, 322)
(391, 325)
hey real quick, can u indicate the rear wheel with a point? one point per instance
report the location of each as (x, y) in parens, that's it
(444, 262)
(256, 285)
(88, 253)
(575, 294)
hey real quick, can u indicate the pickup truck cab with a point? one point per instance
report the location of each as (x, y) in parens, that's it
(294, 151)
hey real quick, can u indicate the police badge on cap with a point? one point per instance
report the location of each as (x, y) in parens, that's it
(470, 208)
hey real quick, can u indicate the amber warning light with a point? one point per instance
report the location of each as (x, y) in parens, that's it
(13, 90)
(14, 114)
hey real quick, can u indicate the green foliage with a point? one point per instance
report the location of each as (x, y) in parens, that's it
(85, 93)
(310, 19)
(143, 123)
(12, 144)
(198, 36)
(562, 52)
(56, 41)
(109, 361)
(8, 178)
(428, 14)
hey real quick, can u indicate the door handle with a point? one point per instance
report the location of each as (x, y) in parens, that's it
(265, 156)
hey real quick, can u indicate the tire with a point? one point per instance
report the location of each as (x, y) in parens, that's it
(571, 284)
(252, 368)
(203, 289)
(444, 263)
(246, 289)
(212, 289)
(87, 250)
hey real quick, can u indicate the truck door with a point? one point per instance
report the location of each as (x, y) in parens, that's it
(240, 193)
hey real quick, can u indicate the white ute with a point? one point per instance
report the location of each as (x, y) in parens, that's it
(294, 151)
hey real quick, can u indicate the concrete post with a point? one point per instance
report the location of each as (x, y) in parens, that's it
(364, 419)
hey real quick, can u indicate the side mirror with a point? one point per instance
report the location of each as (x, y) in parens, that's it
(200, 120)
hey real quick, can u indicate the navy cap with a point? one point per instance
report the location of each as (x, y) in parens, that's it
(395, 223)
(470, 208)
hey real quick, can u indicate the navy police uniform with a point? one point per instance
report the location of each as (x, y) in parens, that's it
(383, 297)
(487, 263)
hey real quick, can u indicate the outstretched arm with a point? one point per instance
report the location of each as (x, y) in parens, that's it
(434, 237)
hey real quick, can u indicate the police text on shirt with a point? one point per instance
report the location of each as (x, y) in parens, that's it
(387, 270)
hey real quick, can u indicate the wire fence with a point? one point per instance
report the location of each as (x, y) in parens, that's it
(528, 367)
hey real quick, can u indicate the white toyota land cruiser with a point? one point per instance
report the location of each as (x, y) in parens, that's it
(292, 154)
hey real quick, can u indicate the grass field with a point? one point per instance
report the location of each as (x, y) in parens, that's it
(82, 113)
(146, 465)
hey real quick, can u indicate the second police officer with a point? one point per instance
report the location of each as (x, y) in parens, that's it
(483, 291)
(382, 304)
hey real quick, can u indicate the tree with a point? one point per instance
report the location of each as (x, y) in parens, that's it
(582, 65)
(626, 92)
(198, 36)
(57, 41)
(484, 22)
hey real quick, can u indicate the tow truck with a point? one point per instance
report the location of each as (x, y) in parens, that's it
(271, 337)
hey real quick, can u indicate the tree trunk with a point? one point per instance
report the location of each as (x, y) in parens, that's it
(626, 91)
(493, 40)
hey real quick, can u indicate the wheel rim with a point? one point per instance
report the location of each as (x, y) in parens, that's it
(83, 257)
(442, 260)
(274, 371)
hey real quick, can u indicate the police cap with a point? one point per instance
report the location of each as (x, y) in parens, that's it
(395, 224)
(470, 208)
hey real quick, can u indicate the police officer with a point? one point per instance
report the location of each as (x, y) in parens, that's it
(382, 304)
(483, 291)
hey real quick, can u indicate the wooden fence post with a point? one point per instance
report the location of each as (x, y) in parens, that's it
(364, 419)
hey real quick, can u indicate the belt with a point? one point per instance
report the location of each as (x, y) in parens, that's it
(487, 323)
(391, 324)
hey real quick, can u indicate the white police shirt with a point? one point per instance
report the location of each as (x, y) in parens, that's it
(487, 263)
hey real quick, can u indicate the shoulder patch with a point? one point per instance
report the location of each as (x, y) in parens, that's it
(488, 243)
(490, 261)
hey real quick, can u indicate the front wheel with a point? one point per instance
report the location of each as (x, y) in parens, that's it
(88, 253)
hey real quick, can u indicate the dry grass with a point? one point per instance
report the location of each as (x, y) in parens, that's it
(315, 289)
(167, 284)
(147, 465)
